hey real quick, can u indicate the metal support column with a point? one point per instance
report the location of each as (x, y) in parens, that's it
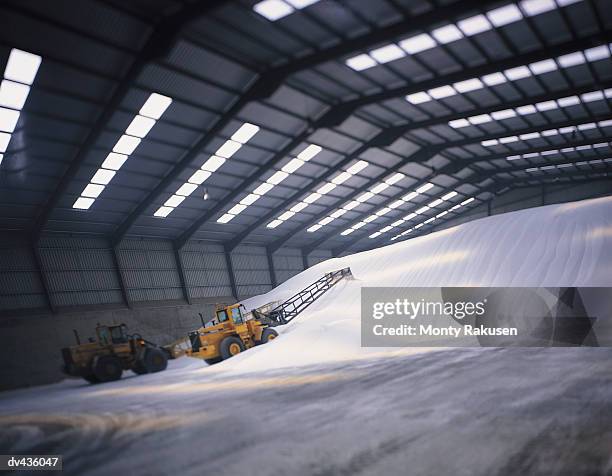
(43, 277)
(271, 267)
(230, 272)
(304, 259)
(121, 276)
(181, 272)
(543, 194)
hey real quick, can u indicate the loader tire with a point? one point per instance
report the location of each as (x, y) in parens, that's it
(91, 378)
(107, 368)
(267, 335)
(216, 360)
(155, 360)
(231, 346)
(139, 367)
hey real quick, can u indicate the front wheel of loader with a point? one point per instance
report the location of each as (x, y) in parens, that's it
(107, 368)
(231, 346)
(91, 378)
(267, 335)
(214, 361)
(155, 360)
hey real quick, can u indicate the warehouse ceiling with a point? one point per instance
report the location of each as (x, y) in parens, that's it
(316, 124)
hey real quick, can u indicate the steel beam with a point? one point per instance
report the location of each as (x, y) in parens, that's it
(157, 46)
(387, 137)
(304, 254)
(456, 165)
(270, 258)
(483, 177)
(182, 277)
(230, 272)
(342, 111)
(44, 281)
(121, 277)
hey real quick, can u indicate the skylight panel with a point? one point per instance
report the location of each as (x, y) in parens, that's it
(299, 4)
(449, 195)
(479, 119)
(228, 149)
(503, 114)
(213, 163)
(326, 220)
(422, 210)
(544, 66)
(592, 96)
(245, 133)
(459, 123)
(250, 199)
(278, 177)
(468, 85)
(379, 188)
(103, 176)
(364, 197)
(361, 62)
(92, 190)
(418, 98)
(504, 15)
(371, 218)
(597, 53)
(140, 126)
(341, 178)
(314, 228)
(309, 152)
(417, 43)
(274, 223)
(493, 79)
(536, 7)
(348, 231)
(424, 188)
(526, 110)
(328, 187)
(174, 201)
(83, 203)
(474, 25)
(442, 92)
(298, 207)
(387, 53)
(520, 72)
(546, 106)
(126, 145)
(22, 66)
(394, 178)
(338, 213)
(236, 209)
(114, 161)
(313, 197)
(8, 119)
(375, 235)
(199, 177)
(263, 188)
(568, 101)
(435, 203)
(410, 196)
(273, 9)
(13, 94)
(293, 165)
(571, 59)
(155, 106)
(226, 218)
(186, 189)
(350, 205)
(447, 34)
(357, 167)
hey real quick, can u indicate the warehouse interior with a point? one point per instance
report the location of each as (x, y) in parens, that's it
(159, 157)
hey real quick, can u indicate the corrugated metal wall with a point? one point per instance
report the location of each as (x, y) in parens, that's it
(150, 271)
(20, 285)
(205, 270)
(82, 271)
(318, 255)
(287, 263)
(251, 270)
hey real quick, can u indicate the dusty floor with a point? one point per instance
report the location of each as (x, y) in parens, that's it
(460, 412)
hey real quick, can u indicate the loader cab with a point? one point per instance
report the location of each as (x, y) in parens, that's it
(233, 314)
(108, 335)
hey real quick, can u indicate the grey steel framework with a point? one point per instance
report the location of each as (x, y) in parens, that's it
(223, 64)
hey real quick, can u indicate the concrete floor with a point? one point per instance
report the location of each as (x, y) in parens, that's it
(460, 412)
